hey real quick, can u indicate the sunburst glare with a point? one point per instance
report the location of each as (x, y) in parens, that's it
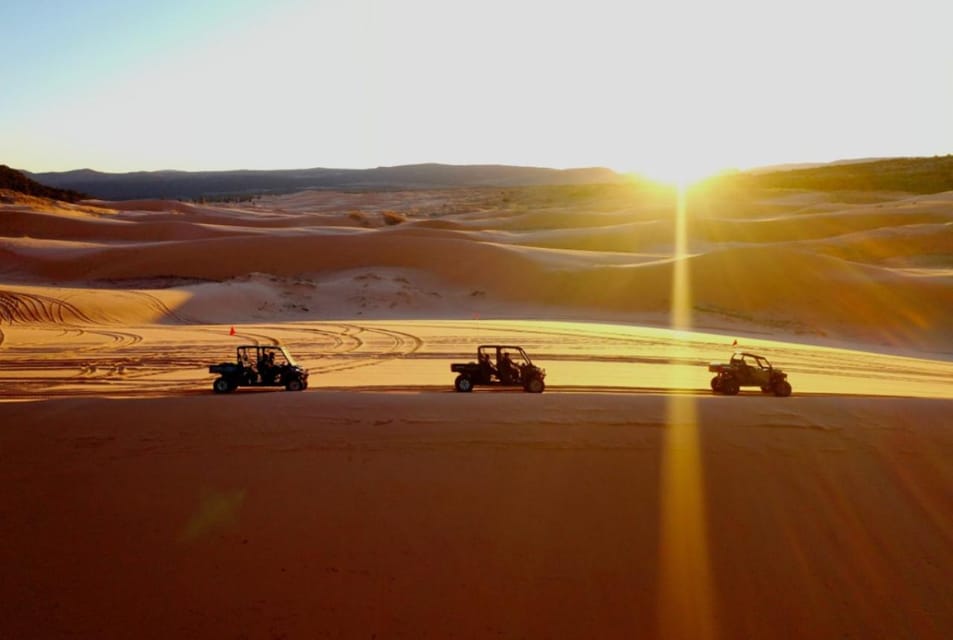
(685, 592)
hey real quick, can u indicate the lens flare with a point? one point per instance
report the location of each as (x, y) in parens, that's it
(686, 608)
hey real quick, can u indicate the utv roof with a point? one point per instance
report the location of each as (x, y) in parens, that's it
(500, 346)
(261, 346)
(266, 347)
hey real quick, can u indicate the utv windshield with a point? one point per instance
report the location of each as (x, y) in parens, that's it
(275, 356)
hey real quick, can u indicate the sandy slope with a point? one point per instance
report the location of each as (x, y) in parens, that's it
(626, 501)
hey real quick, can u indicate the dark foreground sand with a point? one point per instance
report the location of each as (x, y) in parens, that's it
(441, 515)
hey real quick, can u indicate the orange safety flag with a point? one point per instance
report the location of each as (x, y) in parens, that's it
(231, 331)
(734, 344)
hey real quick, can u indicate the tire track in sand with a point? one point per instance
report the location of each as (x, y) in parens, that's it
(157, 305)
(29, 308)
(364, 354)
(73, 356)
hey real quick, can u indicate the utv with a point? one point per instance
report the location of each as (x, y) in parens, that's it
(259, 366)
(749, 370)
(499, 365)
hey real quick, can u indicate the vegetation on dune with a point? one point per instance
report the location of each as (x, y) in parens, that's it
(13, 180)
(224, 198)
(393, 217)
(912, 175)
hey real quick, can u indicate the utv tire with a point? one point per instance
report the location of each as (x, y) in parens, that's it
(294, 385)
(730, 387)
(535, 385)
(716, 384)
(463, 384)
(221, 385)
(782, 388)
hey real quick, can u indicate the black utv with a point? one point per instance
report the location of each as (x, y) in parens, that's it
(258, 366)
(748, 370)
(499, 365)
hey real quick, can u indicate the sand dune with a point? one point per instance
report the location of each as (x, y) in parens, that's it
(157, 206)
(107, 229)
(809, 273)
(775, 284)
(814, 226)
(915, 244)
(626, 501)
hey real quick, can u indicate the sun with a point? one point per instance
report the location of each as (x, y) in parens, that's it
(680, 171)
(680, 174)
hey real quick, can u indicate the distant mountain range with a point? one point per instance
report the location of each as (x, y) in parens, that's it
(914, 175)
(218, 184)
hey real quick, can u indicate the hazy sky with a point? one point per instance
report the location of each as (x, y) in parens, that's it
(666, 87)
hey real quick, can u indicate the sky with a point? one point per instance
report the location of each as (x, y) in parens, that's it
(670, 88)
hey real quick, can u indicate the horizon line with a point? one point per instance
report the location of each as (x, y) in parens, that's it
(620, 172)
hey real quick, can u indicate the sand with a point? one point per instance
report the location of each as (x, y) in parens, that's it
(625, 501)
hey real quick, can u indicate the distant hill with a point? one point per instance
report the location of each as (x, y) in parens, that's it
(913, 175)
(791, 166)
(216, 184)
(14, 180)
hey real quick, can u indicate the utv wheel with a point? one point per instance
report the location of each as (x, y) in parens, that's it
(782, 388)
(294, 385)
(535, 385)
(463, 384)
(716, 384)
(221, 385)
(730, 387)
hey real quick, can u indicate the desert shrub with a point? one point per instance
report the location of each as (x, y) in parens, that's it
(393, 217)
(360, 217)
